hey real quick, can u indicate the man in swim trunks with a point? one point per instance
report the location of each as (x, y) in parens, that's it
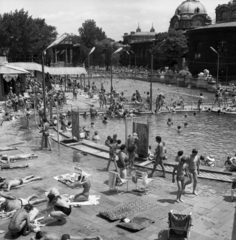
(159, 156)
(20, 222)
(52, 236)
(7, 184)
(181, 169)
(15, 204)
(193, 162)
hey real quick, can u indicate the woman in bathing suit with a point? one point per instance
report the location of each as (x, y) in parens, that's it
(58, 206)
(84, 196)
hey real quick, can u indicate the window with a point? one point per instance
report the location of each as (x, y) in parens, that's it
(234, 15)
(198, 50)
(197, 10)
(224, 16)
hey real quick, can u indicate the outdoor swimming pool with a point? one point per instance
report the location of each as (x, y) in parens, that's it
(210, 133)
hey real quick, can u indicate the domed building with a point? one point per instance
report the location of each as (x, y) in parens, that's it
(220, 36)
(189, 14)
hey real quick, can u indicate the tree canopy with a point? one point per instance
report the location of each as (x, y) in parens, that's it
(23, 37)
(170, 45)
(90, 33)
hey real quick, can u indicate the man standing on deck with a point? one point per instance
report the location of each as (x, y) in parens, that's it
(193, 167)
(159, 156)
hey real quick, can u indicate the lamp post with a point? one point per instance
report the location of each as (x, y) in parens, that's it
(218, 63)
(118, 50)
(43, 85)
(129, 58)
(134, 58)
(92, 50)
(151, 80)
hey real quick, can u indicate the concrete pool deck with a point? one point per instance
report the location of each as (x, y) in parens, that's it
(213, 212)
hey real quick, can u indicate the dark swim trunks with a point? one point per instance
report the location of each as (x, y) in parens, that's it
(65, 237)
(180, 178)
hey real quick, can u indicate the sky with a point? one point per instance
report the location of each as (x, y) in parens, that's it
(115, 17)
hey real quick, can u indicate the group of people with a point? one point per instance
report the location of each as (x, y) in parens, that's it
(23, 213)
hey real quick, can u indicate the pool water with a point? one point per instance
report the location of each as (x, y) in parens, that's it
(210, 133)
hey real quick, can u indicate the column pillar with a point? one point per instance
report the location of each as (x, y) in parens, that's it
(66, 60)
(55, 54)
(71, 56)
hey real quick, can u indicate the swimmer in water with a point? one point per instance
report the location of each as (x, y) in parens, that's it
(194, 114)
(179, 129)
(185, 124)
(185, 115)
(92, 125)
(169, 122)
(104, 120)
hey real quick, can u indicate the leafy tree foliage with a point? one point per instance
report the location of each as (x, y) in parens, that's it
(23, 37)
(89, 33)
(170, 45)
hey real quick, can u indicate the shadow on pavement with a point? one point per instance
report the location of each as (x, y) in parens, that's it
(171, 201)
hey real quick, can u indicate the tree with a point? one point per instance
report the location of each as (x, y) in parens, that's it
(23, 37)
(89, 33)
(170, 45)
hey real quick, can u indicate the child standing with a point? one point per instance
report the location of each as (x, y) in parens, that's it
(181, 169)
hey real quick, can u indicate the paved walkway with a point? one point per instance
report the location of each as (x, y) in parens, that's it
(213, 213)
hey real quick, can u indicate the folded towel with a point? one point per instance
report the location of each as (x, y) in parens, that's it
(93, 200)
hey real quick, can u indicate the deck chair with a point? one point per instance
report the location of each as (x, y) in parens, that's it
(179, 225)
(141, 177)
(113, 180)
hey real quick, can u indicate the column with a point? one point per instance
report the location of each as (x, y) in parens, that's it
(71, 56)
(66, 60)
(55, 54)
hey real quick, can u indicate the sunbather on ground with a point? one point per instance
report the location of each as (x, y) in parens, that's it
(84, 196)
(22, 157)
(52, 236)
(15, 204)
(7, 184)
(5, 163)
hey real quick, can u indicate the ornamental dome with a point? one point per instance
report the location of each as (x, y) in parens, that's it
(190, 7)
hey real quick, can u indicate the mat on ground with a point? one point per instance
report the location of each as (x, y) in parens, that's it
(126, 209)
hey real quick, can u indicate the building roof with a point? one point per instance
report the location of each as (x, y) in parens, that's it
(190, 7)
(51, 70)
(217, 25)
(59, 40)
(142, 34)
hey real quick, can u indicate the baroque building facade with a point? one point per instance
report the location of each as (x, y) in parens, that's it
(220, 36)
(188, 15)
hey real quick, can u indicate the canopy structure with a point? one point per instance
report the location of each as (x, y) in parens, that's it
(8, 69)
(51, 70)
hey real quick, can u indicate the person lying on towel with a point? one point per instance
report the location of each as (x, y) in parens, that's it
(52, 236)
(5, 163)
(8, 184)
(14, 204)
(86, 184)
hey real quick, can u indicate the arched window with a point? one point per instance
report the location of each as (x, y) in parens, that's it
(197, 10)
(234, 15)
(224, 16)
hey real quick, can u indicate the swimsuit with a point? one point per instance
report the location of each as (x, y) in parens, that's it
(65, 210)
(180, 178)
(193, 171)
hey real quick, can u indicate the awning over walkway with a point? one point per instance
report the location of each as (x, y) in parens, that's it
(8, 69)
(51, 70)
